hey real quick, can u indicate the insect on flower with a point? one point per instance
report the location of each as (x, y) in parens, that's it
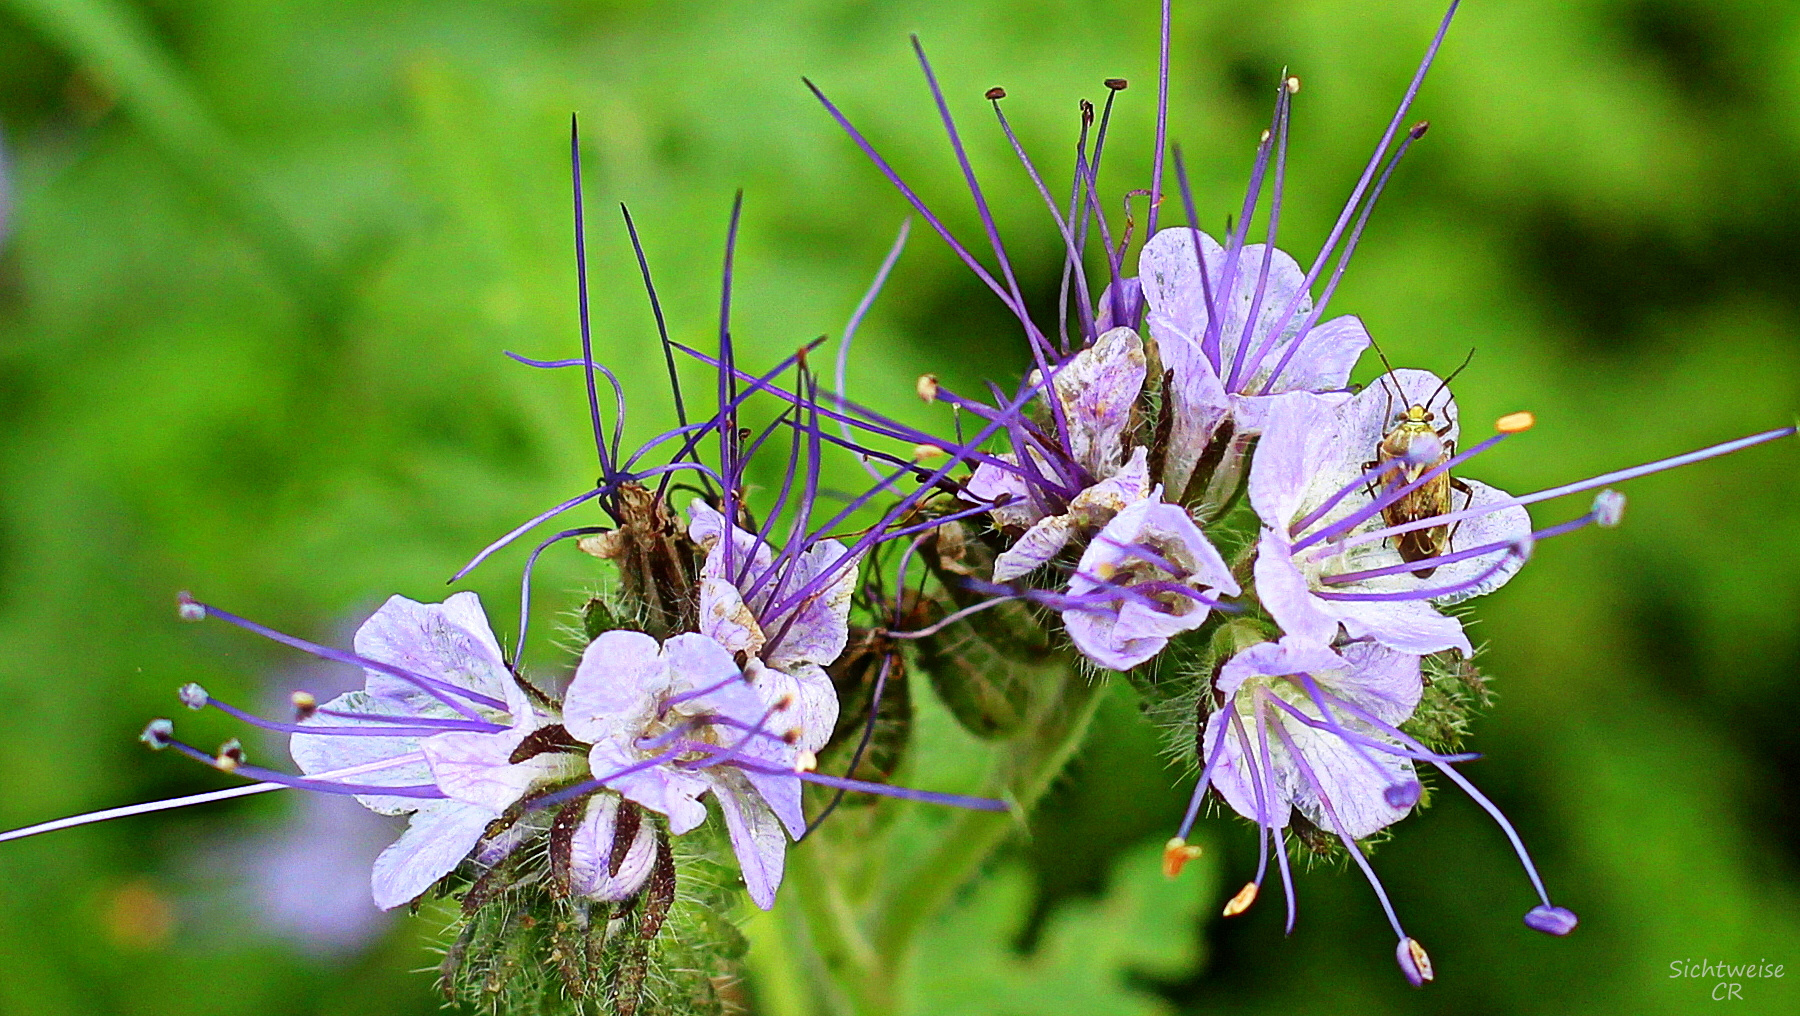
(1413, 447)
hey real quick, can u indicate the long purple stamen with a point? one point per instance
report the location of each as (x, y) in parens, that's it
(1211, 342)
(443, 691)
(1162, 119)
(1493, 810)
(1360, 483)
(1264, 782)
(1603, 480)
(587, 342)
(662, 327)
(1407, 567)
(1283, 113)
(862, 746)
(1084, 305)
(856, 317)
(1213, 307)
(1368, 173)
(1209, 763)
(1388, 496)
(424, 791)
(1337, 273)
(525, 583)
(862, 787)
(1349, 843)
(1397, 795)
(370, 730)
(918, 205)
(525, 527)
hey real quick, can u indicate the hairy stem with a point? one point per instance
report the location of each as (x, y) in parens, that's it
(1032, 764)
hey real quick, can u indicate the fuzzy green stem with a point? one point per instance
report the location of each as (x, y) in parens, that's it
(1033, 763)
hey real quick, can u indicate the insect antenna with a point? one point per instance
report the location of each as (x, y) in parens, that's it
(1385, 375)
(1445, 384)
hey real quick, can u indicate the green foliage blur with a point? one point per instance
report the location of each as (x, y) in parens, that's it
(261, 260)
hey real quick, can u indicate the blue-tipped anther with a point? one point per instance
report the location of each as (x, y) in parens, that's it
(158, 734)
(1403, 795)
(1609, 508)
(1551, 920)
(1414, 962)
(193, 696)
(188, 609)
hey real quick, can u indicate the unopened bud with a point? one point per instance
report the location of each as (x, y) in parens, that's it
(188, 609)
(1609, 508)
(996, 93)
(304, 705)
(1241, 902)
(1414, 962)
(1116, 84)
(1513, 423)
(158, 734)
(806, 762)
(193, 696)
(927, 387)
(1176, 854)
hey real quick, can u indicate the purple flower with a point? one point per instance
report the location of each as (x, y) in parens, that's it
(743, 590)
(1313, 490)
(1303, 727)
(401, 732)
(1349, 786)
(671, 722)
(1150, 574)
(1223, 359)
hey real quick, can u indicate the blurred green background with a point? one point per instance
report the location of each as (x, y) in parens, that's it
(259, 261)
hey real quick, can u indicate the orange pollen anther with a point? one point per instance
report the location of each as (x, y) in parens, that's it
(1513, 423)
(1241, 902)
(1176, 854)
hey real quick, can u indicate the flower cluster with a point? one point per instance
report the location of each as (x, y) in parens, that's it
(1190, 487)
